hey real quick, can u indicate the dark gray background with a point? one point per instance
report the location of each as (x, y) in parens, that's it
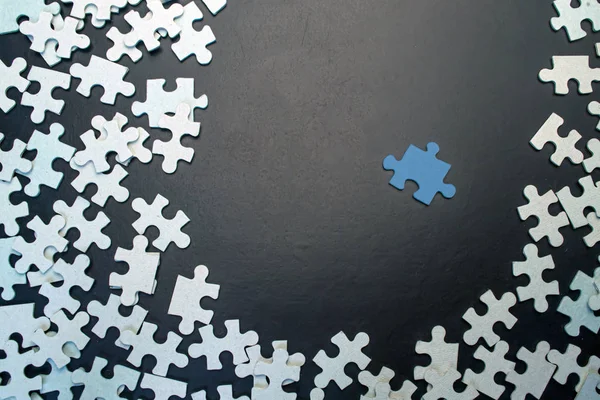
(289, 206)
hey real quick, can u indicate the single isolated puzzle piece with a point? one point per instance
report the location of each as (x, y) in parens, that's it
(191, 41)
(442, 386)
(90, 231)
(277, 370)
(59, 297)
(444, 356)
(13, 11)
(234, 342)
(142, 271)
(107, 184)
(170, 229)
(548, 225)
(537, 289)
(593, 161)
(564, 146)
(567, 365)
(9, 212)
(158, 19)
(593, 237)
(159, 102)
(482, 326)
(42, 101)
(350, 352)
(18, 385)
(225, 393)
(578, 311)
(570, 18)
(589, 390)
(537, 375)
(96, 386)
(9, 277)
(65, 36)
(186, 298)
(423, 168)
(109, 317)
(179, 125)
(101, 72)
(495, 363)
(119, 49)
(575, 206)
(10, 77)
(567, 68)
(163, 388)
(136, 147)
(48, 148)
(144, 344)
(12, 161)
(47, 243)
(19, 319)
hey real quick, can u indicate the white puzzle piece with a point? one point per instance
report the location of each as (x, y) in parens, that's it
(10, 77)
(101, 72)
(548, 225)
(42, 101)
(537, 289)
(564, 146)
(482, 326)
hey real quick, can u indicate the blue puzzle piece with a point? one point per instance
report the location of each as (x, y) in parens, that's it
(424, 169)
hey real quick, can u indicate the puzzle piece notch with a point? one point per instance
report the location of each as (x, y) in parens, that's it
(548, 225)
(47, 243)
(19, 319)
(96, 386)
(9, 212)
(233, 342)
(537, 375)
(567, 365)
(193, 42)
(142, 271)
(12, 161)
(482, 326)
(170, 229)
(570, 18)
(578, 311)
(159, 102)
(42, 101)
(108, 184)
(136, 147)
(495, 363)
(144, 344)
(567, 68)
(350, 352)
(537, 289)
(423, 168)
(10, 77)
(444, 356)
(90, 231)
(564, 146)
(159, 19)
(163, 388)
(575, 206)
(278, 371)
(101, 72)
(19, 385)
(442, 386)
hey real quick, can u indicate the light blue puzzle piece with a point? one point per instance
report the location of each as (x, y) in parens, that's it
(424, 168)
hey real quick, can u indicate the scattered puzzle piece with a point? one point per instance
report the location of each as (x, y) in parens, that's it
(119, 49)
(43, 101)
(19, 319)
(41, 251)
(537, 289)
(12, 161)
(564, 146)
(575, 206)
(548, 225)
(444, 356)
(101, 72)
(495, 363)
(442, 386)
(567, 68)
(108, 184)
(482, 326)
(10, 77)
(179, 125)
(13, 11)
(567, 365)
(158, 19)
(9, 212)
(9, 277)
(191, 41)
(578, 311)
(535, 379)
(90, 231)
(18, 385)
(163, 388)
(96, 386)
(570, 18)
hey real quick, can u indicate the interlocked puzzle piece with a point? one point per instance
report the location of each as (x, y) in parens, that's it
(9, 213)
(578, 311)
(225, 393)
(159, 102)
(43, 101)
(10, 77)
(65, 37)
(187, 296)
(19, 384)
(575, 206)
(567, 365)
(108, 185)
(96, 386)
(535, 379)
(59, 297)
(425, 169)
(119, 49)
(163, 388)
(170, 229)
(571, 18)
(277, 371)
(482, 326)
(234, 342)
(19, 319)
(109, 317)
(136, 147)
(495, 363)
(180, 126)
(537, 289)
(444, 356)
(47, 242)
(191, 41)
(90, 231)
(565, 146)
(567, 68)
(13, 11)
(69, 330)
(548, 225)
(48, 149)
(159, 19)
(350, 352)
(101, 72)
(442, 386)
(144, 344)
(142, 271)
(12, 160)
(9, 277)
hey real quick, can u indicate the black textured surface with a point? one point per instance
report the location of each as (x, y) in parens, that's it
(289, 206)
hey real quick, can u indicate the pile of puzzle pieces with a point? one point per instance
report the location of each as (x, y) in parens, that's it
(55, 338)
